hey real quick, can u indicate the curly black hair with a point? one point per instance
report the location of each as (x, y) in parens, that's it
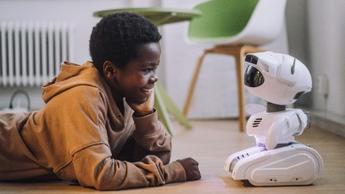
(117, 36)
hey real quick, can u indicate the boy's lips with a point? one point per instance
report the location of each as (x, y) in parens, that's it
(147, 90)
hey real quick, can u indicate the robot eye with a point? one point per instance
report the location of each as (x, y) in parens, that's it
(253, 77)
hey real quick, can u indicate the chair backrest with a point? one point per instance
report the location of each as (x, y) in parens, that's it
(254, 22)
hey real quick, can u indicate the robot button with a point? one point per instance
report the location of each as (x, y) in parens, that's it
(273, 179)
(296, 179)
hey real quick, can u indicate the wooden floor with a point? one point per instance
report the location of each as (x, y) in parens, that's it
(210, 142)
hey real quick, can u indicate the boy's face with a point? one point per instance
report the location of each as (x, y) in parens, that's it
(136, 80)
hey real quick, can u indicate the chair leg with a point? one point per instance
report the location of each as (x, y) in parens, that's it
(172, 108)
(162, 111)
(193, 83)
(240, 91)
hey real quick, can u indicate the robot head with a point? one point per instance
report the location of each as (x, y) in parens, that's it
(277, 78)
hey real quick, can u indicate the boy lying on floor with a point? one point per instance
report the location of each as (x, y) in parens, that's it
(98, 126)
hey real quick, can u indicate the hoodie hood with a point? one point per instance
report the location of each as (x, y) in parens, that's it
(70, 76)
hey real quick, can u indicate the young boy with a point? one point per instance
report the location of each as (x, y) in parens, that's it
(98, 126)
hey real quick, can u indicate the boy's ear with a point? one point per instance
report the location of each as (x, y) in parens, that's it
(109, 70)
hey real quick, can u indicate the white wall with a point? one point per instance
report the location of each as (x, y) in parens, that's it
(327, 52)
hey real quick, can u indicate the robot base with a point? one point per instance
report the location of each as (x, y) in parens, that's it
(295, 164)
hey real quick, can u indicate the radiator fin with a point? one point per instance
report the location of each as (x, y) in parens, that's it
(31, 52)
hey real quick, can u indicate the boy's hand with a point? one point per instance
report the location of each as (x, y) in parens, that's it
(191, 168)
(145, 108)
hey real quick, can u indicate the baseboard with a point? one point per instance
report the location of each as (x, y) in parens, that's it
(328, 121)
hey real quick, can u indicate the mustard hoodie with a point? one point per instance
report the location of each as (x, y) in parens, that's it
(80, 134)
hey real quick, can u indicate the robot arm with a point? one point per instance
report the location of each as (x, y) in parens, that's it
(303, 120)
(283, 130)
(276, 133)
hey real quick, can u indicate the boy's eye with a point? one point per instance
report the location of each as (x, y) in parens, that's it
(148, 70)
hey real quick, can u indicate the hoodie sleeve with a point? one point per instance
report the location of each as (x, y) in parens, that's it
(94, 167)
(92, 162)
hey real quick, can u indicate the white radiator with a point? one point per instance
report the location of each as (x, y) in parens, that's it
(31, 52)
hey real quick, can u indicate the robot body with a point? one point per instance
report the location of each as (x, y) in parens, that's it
(277, 159)
(271, 129)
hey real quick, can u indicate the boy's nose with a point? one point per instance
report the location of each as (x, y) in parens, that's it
(153, 79)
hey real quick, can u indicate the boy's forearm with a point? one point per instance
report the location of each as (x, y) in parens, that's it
(133, 152)
(93, 168)
(150, 134)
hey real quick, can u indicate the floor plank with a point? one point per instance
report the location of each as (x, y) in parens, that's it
(210, 142)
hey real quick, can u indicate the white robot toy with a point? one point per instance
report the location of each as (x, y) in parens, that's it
(277, 159)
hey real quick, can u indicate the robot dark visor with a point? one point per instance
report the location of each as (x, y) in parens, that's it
(253, 77)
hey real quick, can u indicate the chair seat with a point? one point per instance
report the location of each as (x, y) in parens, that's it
(221, 19)
(252, 22)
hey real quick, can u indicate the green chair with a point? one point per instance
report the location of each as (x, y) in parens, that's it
(235, 27)
(159, 16)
